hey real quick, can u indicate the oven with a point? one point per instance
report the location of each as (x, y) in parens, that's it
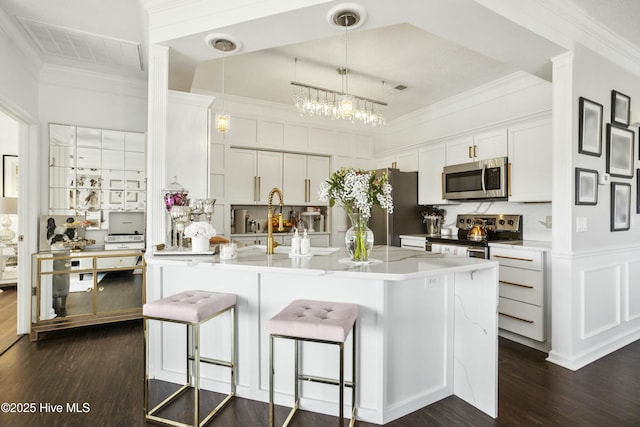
(446, 246)
(464, 243)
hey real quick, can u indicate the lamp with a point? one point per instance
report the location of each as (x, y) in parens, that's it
(8, 206)
(223, 120)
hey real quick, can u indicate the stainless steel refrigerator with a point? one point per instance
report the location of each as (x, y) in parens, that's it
(406, 217)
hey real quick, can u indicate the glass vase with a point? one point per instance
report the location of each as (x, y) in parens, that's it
(358, 238)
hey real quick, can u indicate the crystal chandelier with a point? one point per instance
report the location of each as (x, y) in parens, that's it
(317, 101)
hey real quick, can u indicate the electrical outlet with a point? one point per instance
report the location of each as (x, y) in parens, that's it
(581, 224)
(547, 221)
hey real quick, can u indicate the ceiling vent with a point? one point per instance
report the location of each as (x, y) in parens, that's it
(393, 90)
(68, 43)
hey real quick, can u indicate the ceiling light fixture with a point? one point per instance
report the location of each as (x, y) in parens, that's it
(316, 101)
(225, 45)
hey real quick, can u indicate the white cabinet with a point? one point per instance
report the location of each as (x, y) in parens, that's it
(481, 146)
(523, 307)
(252, 174)
(302, 176)
(431, 161)
(530, 162)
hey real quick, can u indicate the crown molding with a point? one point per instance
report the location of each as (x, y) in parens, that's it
(566, 24)
(10, 30)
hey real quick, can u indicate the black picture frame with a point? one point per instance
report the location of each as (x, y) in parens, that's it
(590, 131)
(586, 186)
(620, 151)
(620, 206)
(620, 108)
(638, 191)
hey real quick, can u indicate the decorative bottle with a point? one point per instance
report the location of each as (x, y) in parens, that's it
(305, 244)
(295, 243)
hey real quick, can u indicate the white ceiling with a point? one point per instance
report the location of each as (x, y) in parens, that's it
(432, 67)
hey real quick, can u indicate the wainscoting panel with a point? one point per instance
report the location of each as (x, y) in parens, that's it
(632, 291)
(600, 300)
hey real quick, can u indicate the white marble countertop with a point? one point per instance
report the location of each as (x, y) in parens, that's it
(537, 245)
(386, 262)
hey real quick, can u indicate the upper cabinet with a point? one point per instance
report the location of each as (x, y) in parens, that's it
(95, 171)
(251, 174)
(431, 161)
(481, 146)
(302, 177)
(530, 161)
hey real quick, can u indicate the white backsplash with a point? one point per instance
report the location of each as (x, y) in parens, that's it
(534, 215)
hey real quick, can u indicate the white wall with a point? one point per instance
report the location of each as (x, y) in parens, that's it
(596, 277)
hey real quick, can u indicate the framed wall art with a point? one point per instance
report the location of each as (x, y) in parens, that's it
(620, 108)
(620, 158)
(590, 132)
(586, 187)
(638, 191)
(620, 206)
(9, 175)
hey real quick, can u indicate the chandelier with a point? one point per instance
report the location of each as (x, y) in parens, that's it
(317, 101)
(222, 118)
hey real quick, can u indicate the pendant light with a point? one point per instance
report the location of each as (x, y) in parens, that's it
(346, 19)
(223, 119)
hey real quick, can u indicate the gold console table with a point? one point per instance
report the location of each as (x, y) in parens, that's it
(73, 289)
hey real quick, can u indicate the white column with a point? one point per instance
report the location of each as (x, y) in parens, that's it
(156, 142)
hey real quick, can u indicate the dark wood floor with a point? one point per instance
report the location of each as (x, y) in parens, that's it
(103, 367)
(8, 322)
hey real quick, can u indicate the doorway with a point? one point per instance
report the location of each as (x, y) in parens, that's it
(9, 143)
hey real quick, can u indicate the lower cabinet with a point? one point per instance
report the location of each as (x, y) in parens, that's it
(73, 289)
(523, 307)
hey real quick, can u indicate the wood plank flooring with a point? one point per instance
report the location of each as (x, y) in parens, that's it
(103, 367)
(8, 320)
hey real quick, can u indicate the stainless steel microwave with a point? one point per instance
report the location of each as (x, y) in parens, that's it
(484, 179)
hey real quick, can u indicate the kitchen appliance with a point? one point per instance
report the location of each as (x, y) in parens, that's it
(484, 179)
(433, 224)
(474, 234)
(406, 217)
(240, 219)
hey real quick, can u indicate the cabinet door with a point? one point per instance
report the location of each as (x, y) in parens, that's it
(317, 172)
(530, 158)
(459, 150)
(490, 144)
(269, 173)
(431, 161)
(241, 174)
(294, 178)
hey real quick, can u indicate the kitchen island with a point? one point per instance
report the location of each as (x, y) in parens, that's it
(427, 326)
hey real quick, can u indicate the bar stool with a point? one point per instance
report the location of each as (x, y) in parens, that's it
(191, 308)
(321, 322)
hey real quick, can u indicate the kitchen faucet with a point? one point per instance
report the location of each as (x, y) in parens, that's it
(271, 244)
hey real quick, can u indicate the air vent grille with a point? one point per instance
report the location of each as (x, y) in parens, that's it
(82, 46)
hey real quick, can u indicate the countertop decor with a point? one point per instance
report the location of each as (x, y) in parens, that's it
(357, 191)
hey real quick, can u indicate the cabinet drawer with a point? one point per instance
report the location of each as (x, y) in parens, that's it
(531, 260)
(116, 262)
(521, 285)
(411, 243)
(521, 318)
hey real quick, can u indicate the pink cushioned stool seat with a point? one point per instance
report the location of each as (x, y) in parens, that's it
(318, 320)
(189, 306)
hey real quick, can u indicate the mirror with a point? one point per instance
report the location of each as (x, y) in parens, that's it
(95, 171)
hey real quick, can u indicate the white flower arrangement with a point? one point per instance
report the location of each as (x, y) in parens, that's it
(199, 229)
(357, 191)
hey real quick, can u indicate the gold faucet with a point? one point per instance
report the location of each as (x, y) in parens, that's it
(271, 244)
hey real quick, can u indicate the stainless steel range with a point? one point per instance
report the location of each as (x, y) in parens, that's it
(474, 234)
